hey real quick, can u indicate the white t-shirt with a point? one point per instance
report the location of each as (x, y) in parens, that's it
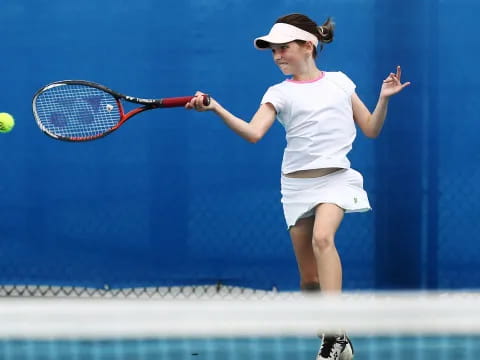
(318, 120)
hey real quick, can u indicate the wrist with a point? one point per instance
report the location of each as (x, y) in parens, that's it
(383, 98)
(216, 107)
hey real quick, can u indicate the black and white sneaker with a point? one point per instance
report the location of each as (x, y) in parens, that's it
(335, 347)
(347, 353)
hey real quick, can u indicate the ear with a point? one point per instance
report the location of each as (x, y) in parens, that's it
(309, 46)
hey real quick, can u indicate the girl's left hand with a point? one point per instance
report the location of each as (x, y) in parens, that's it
(392, 84)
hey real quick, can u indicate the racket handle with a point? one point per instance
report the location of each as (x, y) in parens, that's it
(182, 101)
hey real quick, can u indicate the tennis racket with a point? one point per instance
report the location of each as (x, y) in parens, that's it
(78, 110)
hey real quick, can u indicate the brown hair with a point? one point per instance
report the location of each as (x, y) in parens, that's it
(324, 33)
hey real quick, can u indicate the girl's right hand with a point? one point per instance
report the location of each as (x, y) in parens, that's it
(197, 102)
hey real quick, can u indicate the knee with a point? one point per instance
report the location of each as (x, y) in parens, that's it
(322, 241)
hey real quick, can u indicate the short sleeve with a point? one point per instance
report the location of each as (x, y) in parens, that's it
(274, 96)
(344, 82)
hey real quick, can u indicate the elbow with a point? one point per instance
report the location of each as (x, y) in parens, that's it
(254, 138)
(371, 128)
(372, 135)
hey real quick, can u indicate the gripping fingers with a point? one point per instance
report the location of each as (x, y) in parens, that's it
(199, 102)
(191, 104)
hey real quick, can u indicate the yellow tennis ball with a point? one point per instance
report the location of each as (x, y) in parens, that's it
(6, 122)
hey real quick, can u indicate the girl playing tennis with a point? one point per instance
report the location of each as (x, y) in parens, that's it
(319, 111)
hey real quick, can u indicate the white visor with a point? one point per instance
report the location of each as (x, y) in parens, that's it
(282, 33)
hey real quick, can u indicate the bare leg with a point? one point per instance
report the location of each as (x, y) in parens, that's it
(301, 234)
(327, 220)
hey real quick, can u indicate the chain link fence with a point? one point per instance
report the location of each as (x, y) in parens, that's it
(169, 292)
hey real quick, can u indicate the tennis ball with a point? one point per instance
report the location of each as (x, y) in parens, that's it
(6, 122)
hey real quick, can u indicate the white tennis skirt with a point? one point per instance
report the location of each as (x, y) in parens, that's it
(344, 188)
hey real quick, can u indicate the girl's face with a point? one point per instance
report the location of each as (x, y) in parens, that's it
(292, 58)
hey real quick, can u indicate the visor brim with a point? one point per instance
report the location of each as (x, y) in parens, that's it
(265, 42)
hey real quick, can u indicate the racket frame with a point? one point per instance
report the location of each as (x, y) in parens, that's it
(148, 104)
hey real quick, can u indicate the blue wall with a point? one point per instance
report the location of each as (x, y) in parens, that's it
(176, 198)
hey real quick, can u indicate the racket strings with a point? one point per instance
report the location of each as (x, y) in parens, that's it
(76, 111)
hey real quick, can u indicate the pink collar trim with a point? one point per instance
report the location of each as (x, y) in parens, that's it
(321, 76)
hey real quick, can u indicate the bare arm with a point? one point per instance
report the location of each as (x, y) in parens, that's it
(251, 131)
(371, 123)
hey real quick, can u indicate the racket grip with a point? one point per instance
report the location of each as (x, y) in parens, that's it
(182, 101)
